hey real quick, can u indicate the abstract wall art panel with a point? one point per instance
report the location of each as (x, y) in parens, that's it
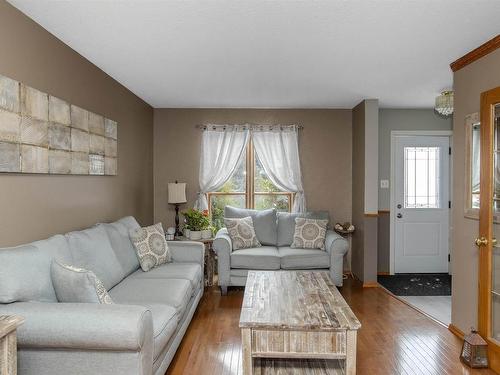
(40, 133)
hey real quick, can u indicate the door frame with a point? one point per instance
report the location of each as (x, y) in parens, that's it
(392, 217)
(488, 100)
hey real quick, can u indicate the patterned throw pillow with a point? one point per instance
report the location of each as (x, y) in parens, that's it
(151, 246)
(77, 285)
(309, 234)
(242, 233)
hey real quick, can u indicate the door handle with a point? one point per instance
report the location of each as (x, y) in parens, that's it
(481, 241)
(399, 216)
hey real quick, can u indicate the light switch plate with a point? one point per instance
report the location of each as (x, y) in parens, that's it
(384, 184)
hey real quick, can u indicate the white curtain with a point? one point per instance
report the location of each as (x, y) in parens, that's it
(222, 147)
(277, 148)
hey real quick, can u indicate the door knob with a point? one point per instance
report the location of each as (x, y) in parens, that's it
(399, 216)
(481, 241)
(399, 205)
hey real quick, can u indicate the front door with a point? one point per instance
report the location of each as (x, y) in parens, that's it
(421, 206)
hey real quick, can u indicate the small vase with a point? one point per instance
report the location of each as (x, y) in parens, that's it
(186, 232)
(195, 235)
(206, 234)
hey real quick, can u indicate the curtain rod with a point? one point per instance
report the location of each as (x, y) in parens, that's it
(250, 125)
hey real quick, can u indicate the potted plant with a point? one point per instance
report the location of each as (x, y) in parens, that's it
(187, 231)
(196, 221)
(206, 231)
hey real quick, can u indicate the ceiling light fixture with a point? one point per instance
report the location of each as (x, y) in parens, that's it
(444, 103)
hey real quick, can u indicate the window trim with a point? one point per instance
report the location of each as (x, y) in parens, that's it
(250, 192)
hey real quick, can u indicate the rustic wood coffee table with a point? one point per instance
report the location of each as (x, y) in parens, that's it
(295, 321)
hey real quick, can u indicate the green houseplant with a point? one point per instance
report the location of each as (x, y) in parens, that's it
(197, 222)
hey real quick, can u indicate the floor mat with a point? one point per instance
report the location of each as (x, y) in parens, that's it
(417, 284)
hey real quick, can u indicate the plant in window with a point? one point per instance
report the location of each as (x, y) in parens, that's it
(196, 220)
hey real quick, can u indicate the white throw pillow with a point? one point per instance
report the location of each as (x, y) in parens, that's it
(151, 246)
(309, 233)
(77, 285)
(242, 233)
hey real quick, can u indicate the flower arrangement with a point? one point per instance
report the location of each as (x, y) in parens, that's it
(344, 228)
(196, 220)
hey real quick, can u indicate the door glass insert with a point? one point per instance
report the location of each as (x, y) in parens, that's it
(421, 177)
(495, 294)
(495, 261)
(475, 164)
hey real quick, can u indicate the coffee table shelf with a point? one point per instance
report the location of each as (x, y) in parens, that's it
(268, 366)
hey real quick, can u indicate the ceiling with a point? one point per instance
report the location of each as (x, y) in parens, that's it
(273, 54)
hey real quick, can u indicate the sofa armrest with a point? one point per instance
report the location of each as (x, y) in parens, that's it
(223, 247)
(337, 246)
(335, 243)
(83, 326)
(187, 251)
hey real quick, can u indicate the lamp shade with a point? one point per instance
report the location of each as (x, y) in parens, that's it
(177, 192)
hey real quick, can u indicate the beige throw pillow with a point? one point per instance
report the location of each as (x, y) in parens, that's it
(151, 246)
(309, 234)
(242, 233)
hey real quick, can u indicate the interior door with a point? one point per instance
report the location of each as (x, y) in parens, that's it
(421, 207)
(489, 226)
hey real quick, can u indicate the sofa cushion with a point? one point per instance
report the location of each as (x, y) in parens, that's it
(165, 321)
(286, 224)
(91, 249)
(25, 270)
(264, 222)
(56, 247)
(122, 246)
(77, 285)
(139, 291)
(187, 271)
(151, 246)
(129, 222)
(242, 233)
(259, 258)
(295, 259)
(309, 233)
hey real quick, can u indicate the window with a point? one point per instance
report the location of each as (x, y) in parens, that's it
(421, 177)
(248, 187)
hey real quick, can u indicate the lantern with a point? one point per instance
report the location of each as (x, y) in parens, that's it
(474, 351)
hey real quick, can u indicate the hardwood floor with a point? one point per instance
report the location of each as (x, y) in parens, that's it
(394, 338)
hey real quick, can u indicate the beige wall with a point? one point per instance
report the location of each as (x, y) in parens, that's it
(325, 151)
(358, 189)
(468, 82)
(365, 194)
(36, 206)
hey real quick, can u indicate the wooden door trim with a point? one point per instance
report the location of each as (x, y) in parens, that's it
(488, 101)
(481, 51)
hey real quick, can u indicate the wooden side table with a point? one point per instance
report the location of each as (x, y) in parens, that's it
(210, 258)
(8, 343)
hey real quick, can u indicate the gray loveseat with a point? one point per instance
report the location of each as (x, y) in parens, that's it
(275, 233)
(139, 334)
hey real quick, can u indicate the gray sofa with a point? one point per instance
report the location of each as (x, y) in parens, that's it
(138, 334)
(275, 232)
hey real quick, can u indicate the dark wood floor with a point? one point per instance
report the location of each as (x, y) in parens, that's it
(395, 339)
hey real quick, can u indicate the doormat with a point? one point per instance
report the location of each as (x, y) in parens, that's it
(417, 284)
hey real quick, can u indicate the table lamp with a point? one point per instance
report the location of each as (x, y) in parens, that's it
(176, 196)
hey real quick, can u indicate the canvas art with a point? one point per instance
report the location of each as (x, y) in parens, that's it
(40, 133)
